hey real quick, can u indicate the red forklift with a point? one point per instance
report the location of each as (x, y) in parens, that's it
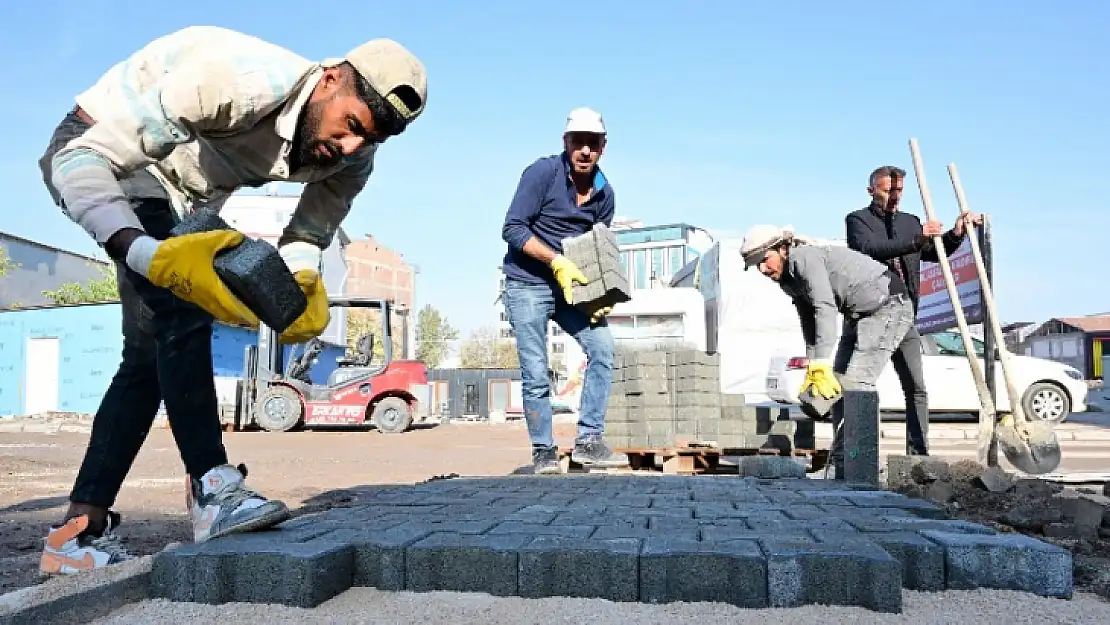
(359, 392)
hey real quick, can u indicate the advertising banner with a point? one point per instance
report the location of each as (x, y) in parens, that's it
(935, 312)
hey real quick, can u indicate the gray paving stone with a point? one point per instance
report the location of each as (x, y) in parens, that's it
(556, 566)
(708, 538)
(850, 574)
(1005, 561)
(733, 572)
(464, 563)
(299, 574)
(922, 560)
(379, 556)
(913, 524)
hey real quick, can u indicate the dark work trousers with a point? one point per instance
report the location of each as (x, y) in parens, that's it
(167, 356)
(907, 363)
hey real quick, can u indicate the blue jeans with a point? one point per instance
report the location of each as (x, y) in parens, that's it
(529, 308)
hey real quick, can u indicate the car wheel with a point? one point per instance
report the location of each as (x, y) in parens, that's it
(1045, 401)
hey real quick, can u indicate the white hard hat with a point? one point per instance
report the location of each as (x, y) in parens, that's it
(585, 120)
(760, 238)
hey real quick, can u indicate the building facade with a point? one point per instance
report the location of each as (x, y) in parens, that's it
(1082, 342)
(62, 358)
(35, 267)
(378, 272)
(652, 255)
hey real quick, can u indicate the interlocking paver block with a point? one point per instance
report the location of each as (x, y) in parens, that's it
(849, 574)
(1005, 561)
(673, 569)
(556, 566)
(581, 535)
(922, 559)
(464, 563)
(254, 569)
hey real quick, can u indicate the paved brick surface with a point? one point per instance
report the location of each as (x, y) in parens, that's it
(745, 541)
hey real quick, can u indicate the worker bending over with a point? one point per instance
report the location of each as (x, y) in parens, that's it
(558, 197)
(824, 280)
(183, 123)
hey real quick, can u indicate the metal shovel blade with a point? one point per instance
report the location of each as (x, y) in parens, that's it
(1032, 447)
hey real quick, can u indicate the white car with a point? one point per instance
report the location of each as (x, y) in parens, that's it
(1049, 390)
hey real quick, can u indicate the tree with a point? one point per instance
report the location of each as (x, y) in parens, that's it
(6, 263)
(102, 289)
(484, 349)
(433, 336)
(362, 321)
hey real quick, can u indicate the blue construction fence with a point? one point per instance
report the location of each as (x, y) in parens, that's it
(89, 345)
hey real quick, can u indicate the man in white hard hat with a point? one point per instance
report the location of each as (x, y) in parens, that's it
(823, 280)
(183, 123)
(559, 196)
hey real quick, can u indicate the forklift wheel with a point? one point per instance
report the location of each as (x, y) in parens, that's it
(392, 415)
(279, 409)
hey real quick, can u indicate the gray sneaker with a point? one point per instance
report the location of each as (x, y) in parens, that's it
(221, 505)
(594, 452)
(545, 461)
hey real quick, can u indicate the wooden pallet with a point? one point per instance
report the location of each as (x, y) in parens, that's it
(691, 460)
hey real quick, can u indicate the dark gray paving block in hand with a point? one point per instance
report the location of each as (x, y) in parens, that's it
(673, 569)
(848, 574)
(296, 574)
(464, 563)
(557, 566)
(1006, 561)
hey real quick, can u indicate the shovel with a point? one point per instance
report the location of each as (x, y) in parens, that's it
(1031, 446)
(987, 411)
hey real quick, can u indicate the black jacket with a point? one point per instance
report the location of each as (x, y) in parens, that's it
(897, 237)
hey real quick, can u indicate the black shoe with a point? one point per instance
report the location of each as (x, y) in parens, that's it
(594, 452)
(545, 461)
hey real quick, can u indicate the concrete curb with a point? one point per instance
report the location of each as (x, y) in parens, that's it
(80, 598)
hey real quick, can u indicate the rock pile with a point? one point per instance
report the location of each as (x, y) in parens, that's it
(1075, 518)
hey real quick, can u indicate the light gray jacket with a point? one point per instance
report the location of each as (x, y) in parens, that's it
(825, 279)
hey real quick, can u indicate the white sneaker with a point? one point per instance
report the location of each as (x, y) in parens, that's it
(220, 505)
(68, 549)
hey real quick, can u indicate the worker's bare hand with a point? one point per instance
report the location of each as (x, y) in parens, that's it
(932, 229)
(965, 219)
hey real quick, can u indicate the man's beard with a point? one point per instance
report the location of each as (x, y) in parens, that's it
(306, 147)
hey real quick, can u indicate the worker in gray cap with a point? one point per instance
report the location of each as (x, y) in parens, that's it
(823, 280)
(181, 124)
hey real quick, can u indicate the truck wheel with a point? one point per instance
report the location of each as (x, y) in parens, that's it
(279, 409)
(392, 415)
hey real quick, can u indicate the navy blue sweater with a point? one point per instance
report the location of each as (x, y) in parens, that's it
(545, 206)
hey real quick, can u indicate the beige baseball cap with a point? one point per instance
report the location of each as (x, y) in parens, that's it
(389, 67)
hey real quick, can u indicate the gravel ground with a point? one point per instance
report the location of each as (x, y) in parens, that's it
(367, 605)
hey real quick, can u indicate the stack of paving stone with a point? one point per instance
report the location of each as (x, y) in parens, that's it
(598, 258)
(663, 399)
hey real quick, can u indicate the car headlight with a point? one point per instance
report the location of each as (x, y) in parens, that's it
(1073, 373)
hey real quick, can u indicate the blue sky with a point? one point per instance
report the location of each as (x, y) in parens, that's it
(720, 114)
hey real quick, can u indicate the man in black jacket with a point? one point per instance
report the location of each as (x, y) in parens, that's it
(900, 240)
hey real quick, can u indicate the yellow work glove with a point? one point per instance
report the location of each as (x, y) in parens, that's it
(184, 266)
(600, 313)
(819, 375)
(566, 274)
(316, 316)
